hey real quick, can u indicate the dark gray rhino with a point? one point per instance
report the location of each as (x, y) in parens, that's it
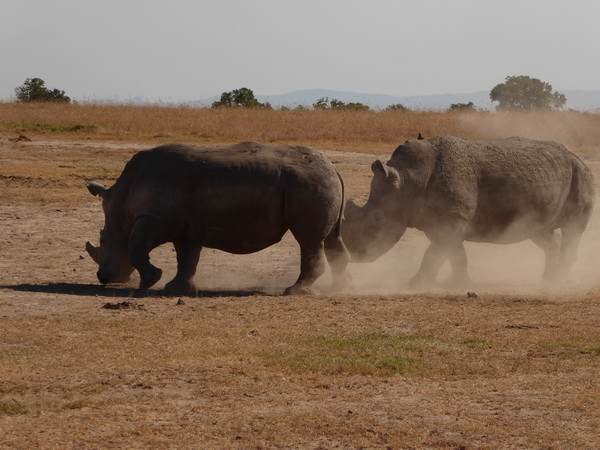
(239, 199)
(500, 192)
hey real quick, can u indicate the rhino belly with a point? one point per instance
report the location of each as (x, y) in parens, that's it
(243, 234)
(508, 226)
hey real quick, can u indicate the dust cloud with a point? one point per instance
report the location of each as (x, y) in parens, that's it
(511, 268)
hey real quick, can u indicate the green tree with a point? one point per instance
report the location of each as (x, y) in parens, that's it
(356, 106)
(324, 103)
(526, 94)
(34, 90)
(464, 107)
(242, 97)
(337, 104)
(397, 107)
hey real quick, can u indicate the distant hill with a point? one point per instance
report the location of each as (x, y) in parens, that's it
(579, 100)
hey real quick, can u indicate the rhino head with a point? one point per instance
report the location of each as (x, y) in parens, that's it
(112, 256)
(370, 231)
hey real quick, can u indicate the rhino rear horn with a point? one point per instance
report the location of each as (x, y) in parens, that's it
(96, 188)
(92, 251)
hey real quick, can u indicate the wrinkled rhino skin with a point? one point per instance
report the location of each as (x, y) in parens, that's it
(239, 199)
(502, 192)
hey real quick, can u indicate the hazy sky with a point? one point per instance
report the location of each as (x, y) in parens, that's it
(184, 50)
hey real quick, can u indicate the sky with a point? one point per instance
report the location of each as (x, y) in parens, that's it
(186, 50)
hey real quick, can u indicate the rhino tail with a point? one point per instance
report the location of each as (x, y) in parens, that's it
(582, 191)
(338, 224)
(577, 208)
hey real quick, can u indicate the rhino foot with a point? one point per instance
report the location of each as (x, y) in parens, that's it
(179, 285)
(458, 282)
(150, 277)
(298, 290)
(419, 282)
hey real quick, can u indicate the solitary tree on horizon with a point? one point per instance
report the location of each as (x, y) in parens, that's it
(242, 97)
(34, 90)
(526, 94)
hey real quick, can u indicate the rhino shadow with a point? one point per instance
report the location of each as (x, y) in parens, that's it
(95, 290)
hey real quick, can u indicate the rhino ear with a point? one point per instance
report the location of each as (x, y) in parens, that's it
(351, 210)
(96, 188)
(377, 167)
(393, 177)
(391, 174)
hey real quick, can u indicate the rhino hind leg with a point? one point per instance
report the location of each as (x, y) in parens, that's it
(188, 255)
(550, 243)
(143, 239)
(312, 266)
(338, 258)
(571, 235)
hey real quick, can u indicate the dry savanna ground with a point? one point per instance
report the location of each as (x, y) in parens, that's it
(240, 366)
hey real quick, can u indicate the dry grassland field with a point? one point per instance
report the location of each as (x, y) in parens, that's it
(240, 366)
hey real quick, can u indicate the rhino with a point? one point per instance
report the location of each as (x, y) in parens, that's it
(239, 199)
(502, 192)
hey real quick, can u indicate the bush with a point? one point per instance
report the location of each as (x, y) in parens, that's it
(33, 90)
(397, 107)
(324, 103)
(242, 97)
(463, 107)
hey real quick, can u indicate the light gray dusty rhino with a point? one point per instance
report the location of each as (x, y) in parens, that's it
(501, 192)
(239, 199)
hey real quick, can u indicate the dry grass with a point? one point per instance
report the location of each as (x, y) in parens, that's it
(382, 367)
(370, 131)
(303, 372)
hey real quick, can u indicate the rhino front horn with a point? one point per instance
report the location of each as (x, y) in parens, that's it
(92, 251)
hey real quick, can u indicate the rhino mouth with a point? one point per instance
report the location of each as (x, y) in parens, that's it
(106, 279)
(105, 274)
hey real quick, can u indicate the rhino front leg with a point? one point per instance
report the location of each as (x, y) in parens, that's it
(188, 255)
(312, 266)
(458, 260)
(145, 236)
(446, 242)
(434, 257)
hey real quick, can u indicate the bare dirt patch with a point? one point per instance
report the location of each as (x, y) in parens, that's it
(241, 366)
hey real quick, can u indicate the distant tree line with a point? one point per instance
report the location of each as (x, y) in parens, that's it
(325, 103)
(517, 93)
